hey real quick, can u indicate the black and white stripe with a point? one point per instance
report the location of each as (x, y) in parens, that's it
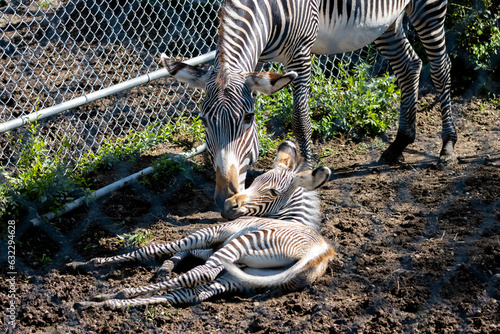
(288, 31)
(256, 251)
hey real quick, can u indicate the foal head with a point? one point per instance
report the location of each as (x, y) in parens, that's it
(285, 192)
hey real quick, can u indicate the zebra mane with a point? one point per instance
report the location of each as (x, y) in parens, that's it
(303, 206)
(223, 77)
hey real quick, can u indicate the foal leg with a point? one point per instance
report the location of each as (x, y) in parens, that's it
(198, 275)
(177, 297)
(201, 239)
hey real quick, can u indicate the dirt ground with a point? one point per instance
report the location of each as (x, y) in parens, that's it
(418, 245)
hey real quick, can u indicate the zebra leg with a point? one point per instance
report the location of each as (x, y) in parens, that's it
(196, 276)
(428, 18)
(405, 63)
(169, 265)
(182, 296)
(301, 121)
(198, 240)
(204, 291)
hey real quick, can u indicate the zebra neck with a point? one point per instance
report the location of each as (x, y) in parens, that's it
(303, 207)
(243, 33)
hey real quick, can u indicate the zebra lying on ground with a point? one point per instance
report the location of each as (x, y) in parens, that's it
(281, 248)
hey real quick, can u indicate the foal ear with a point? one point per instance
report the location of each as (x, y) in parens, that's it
(268, 83)
(191, 75)
(312, 179)
(287, 155)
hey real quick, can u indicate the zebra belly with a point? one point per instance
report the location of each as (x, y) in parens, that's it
(262, 272)
(262, 262)
(345, 34)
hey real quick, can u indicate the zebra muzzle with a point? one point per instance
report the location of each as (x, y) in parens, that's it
(233, 206)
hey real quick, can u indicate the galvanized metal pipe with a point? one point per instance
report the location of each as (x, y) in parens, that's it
(111, 187)
(82, 100)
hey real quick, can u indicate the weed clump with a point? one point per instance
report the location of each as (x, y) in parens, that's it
(354, 103)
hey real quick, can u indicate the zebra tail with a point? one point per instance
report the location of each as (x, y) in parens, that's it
(258, 281)
(283, 278)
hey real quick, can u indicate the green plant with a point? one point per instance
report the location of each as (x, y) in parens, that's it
(44, 259)
(267, 142)
(474, 42)
(377, 144)
(152, 313)
(44, 4)
(480, 30)
(324, 154)
(137, 142)
(8, 204)
(44, 182)
(167, 166)
(97, 237)
(368, 103)
(136, 239)
(189, 127)
(352, 103)
(40, 182)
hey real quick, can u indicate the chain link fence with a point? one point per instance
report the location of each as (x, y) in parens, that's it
(54, 51)
(418, 246)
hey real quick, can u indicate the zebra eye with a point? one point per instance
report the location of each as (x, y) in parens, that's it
(248, 118)
(274, 192)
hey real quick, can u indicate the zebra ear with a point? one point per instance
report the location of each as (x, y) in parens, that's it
(287, 155)
(312, 179)
(268, 83)
(191, 75)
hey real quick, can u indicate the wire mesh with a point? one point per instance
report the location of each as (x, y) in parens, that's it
(55, 51)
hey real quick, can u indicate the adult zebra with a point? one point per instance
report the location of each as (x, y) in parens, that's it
(288, 31)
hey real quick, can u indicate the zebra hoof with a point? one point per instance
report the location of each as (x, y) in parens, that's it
(391, 158)
(447, 156)
(79, 265)
(447, 161)
(79, 306)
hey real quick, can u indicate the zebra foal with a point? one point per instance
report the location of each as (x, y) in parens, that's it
(278, 247)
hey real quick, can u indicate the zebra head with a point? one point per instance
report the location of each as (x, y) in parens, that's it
(285, 192)
(227, 112)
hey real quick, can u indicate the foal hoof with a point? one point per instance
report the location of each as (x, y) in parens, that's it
(101, 298)
(79, 306)
(164, 272)
(79, 265)
(85, 305)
